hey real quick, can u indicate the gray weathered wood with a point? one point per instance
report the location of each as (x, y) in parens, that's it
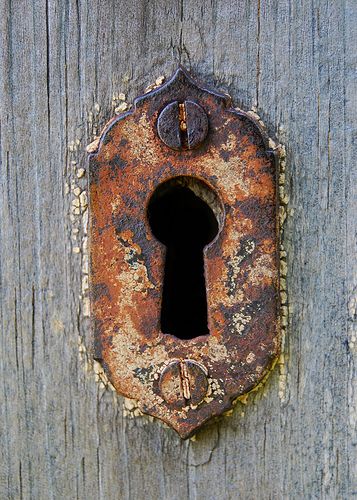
(61, 435)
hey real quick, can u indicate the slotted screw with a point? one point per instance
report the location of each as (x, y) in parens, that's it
(182, 125)
(183, 382)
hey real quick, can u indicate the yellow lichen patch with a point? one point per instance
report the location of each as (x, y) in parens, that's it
(261, 271)
(230, 175)
(240, 320)
(250, 358)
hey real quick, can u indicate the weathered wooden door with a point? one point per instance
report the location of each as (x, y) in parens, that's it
(64, 434)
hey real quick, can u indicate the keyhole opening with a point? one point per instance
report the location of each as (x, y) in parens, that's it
(185, 214)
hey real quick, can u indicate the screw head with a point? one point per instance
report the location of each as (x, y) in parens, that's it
(183, 382)
(182, 125)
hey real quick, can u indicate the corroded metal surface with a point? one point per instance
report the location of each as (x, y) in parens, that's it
(182, 125)
(184, 382)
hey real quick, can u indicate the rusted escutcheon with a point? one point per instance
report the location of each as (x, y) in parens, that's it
(182, 133)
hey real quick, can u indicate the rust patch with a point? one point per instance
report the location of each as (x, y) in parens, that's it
(184, 382)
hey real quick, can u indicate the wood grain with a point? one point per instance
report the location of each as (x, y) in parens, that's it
(61, 435)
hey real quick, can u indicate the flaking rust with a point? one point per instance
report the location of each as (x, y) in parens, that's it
(184, 382)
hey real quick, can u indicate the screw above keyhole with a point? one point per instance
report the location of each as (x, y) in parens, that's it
(185, 214)
(182, 125)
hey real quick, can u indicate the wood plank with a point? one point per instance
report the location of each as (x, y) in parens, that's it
(61, 434)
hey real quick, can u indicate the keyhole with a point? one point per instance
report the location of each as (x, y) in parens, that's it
(185, 215)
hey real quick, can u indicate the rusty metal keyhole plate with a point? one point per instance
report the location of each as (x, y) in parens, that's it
(182, 129)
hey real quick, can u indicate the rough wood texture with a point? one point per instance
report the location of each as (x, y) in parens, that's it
(61, 435)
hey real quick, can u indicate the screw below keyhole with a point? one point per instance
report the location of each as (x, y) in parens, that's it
(182, 125)
(183, 382)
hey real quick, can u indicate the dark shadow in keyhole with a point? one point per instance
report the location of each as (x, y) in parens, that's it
(184, 214)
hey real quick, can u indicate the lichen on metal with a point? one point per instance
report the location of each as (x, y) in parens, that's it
(184, 382)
